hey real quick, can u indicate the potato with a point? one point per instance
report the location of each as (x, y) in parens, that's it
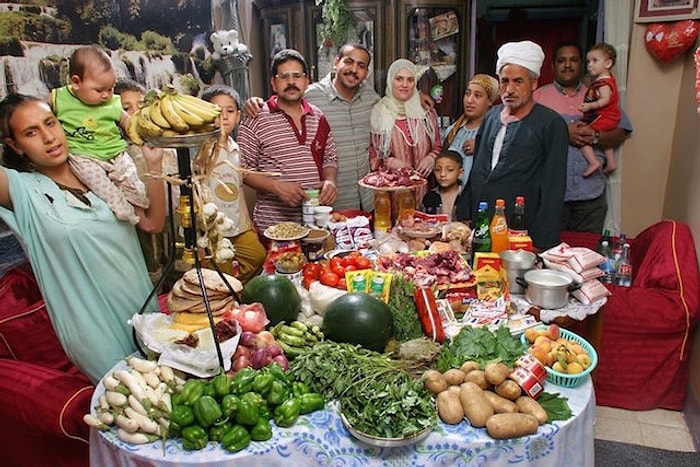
(496, 373)
(434, 381)
(527, 404)
(449, 407)
(469, 366)
(475, 406)
(509, 389)
(454, 377)
(478, 377)
(454, 389)
(511, 425)
(500, 404)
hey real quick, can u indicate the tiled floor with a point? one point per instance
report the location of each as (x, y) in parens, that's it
(664, 429)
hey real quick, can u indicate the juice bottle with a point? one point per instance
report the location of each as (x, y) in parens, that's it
(382, 212)
(499, 228)
(405, 208)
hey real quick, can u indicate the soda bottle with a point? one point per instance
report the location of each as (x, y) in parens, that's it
(499, 228)
(517, 227)
(481, 238)
(623, 276)
(603, 238)
(608, 266)
(405, 208)
(382, 212)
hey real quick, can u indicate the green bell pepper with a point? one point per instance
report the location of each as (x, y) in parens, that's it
(229, 406)
(262, 431)
(174, 430)
(216, 432)
(176, 399)
(287, 412)
(279, 392)
(253, 397)
(207, 411)
(194, 437)
(182, 415)
(243, 381)
(235, 439)
(262, 383)
(299, 388)
(191, 391)
(221, 384)
(310, 402)
(209, 389)
(264, 412)
(248, 413)
(277, 372)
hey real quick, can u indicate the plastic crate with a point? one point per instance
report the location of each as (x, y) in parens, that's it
(564, 379)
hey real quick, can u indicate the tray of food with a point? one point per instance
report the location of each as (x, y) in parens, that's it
(392, 180)
(386, 442)
(286, 231)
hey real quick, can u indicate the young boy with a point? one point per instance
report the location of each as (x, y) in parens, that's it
(249, 252)
(448, 174)
(91, 116)
(600, 106)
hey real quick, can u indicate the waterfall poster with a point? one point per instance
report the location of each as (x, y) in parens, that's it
(155, 42)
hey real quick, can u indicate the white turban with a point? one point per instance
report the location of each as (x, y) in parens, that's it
(526, 54)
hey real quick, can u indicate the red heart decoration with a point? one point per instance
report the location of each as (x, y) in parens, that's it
(669, 40)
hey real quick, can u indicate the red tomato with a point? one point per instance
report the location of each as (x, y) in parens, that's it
(350, 267)
(307, 281)
(335, 262)
(312, 270)
(341, 284)
(363, 263)
(339, 270)
(329, 278)
(347, 261)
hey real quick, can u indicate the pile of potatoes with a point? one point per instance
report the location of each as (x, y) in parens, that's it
(487, 398)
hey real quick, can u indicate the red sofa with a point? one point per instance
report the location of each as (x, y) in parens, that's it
(43, 396)
(644, 354)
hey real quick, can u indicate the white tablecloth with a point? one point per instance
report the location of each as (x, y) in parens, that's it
(321, 439)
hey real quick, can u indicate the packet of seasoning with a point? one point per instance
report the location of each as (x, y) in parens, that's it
(360, 231)
(342, 235)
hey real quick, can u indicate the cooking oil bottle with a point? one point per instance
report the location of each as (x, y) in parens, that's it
(499, 228)
(382, 213)
(405, 208)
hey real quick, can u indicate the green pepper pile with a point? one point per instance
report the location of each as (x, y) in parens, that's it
(235, 411)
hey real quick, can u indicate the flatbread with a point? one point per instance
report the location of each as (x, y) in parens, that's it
(217, 306)
(194, 294)
(212, 280)
(175, 303)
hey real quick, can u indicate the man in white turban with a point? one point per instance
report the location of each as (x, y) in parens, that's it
(520, 149)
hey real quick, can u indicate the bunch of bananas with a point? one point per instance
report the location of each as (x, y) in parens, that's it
(296, 337)
(168, 112)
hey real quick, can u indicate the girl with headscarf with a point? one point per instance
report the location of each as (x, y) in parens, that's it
(403, 134)
(479, 96)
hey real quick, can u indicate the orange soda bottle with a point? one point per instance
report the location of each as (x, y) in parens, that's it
(499, 228)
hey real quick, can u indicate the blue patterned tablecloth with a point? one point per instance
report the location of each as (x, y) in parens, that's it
(321, 439)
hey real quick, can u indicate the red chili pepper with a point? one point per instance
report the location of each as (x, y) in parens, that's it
(428, 314)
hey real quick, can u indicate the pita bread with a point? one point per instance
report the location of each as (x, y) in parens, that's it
(175, 303)
(217, 306)
(179, 291)
(212, 280)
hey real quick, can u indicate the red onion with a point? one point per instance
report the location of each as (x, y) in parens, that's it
(282, 361)
(241, 362)
(248, 339)
(264, 338)
(260, 358)
(241, 350)
(274, 349)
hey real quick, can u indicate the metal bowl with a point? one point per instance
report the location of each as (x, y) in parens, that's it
(182, 141)
(386, 442)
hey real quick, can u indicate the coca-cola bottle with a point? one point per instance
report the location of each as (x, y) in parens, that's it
(517, 226)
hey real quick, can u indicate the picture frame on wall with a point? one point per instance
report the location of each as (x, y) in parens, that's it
(278, 38)
(652, 11)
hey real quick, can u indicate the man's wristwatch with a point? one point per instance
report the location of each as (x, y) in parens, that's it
(596, 137)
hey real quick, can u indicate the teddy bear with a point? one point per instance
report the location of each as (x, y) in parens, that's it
(226, 43)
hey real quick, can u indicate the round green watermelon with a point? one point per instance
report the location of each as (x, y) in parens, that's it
(359, 319)
(278, 296)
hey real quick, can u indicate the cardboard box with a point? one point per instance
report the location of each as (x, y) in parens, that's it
(520, 243)
(486, 259)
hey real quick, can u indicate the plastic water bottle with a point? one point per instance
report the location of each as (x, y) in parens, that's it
(382, 212)
(608, 266)
(481, 238)
(623, 276)
(499, 228)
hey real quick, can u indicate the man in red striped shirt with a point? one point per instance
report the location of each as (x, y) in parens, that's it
(290, 136)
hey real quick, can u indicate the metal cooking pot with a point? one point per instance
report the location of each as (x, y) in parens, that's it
(547, 288)
(517, 263)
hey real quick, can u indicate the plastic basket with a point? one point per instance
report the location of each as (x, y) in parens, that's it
(564, 379)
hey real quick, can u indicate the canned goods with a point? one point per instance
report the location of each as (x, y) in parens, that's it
(359, 283)
(376, 287)
(527, 381)
(532, 365)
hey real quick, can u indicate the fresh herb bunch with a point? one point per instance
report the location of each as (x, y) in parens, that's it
(407, 325)
(556, 406)
(482, 346)
(376, 395)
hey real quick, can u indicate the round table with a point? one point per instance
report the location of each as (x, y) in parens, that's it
(321, 439)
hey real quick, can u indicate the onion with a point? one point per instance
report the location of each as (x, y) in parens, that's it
(260, 358)
(248, 339)
(264, 338)
(282, 361)
(241, 362)
(274, 349)
(241, 350)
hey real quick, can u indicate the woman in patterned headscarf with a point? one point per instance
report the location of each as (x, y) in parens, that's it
(481, 92)
(403, 134)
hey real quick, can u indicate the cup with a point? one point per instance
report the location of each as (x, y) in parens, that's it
(322, 220)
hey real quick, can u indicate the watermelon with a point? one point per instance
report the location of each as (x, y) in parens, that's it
(277, 295)
(359, 319)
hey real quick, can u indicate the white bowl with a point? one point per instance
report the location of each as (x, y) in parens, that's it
(323, 210)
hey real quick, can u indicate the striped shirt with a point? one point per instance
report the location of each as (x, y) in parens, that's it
(349, 122)
(272, 142)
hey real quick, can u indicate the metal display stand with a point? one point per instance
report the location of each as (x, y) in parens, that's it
(182, 145)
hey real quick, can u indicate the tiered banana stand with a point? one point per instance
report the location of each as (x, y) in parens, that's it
(182, 145)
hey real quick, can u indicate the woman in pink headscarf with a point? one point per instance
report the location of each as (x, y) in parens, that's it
(402, 132)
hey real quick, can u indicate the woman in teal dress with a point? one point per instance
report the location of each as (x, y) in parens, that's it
(88, 264)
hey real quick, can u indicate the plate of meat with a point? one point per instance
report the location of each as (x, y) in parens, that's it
(392, 179)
